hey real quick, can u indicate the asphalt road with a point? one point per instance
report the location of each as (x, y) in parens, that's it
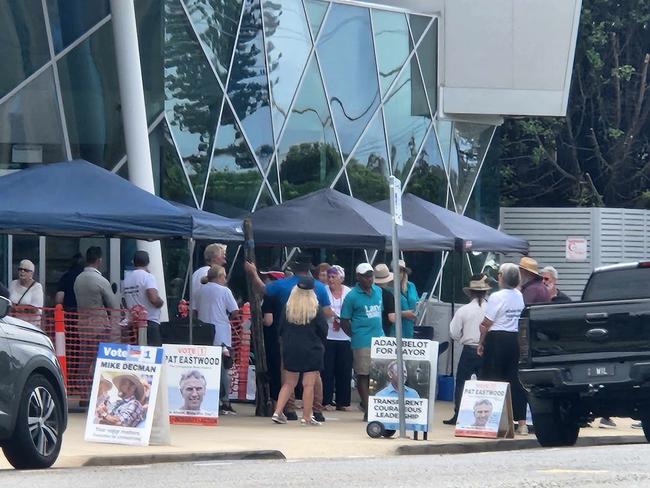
(609, 466)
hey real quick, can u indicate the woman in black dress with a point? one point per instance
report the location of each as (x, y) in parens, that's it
(303, 331)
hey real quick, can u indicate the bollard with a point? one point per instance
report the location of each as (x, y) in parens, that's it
(139, 318)
(59, 341)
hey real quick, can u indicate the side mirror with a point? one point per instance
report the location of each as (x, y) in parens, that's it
(5, 306)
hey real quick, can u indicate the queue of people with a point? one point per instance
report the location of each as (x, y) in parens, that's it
(318, 331)
(488, 328)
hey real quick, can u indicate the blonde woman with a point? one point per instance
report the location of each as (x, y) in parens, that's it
(303, 331)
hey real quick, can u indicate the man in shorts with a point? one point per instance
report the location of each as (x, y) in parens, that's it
(361, 320)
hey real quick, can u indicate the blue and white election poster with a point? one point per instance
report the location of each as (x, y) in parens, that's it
(123, 396)
(419, 370)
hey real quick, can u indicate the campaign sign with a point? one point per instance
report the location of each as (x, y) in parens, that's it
(123, 396)
(420, 364)
(485, 410)
(193, 383)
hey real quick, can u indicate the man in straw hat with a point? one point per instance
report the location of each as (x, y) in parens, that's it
(128, 410)
(465, 328)
(532, 286)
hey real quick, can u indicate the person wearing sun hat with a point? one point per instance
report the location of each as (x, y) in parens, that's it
(532, 284)
(384, 280)
(128, 410)
(465, 328)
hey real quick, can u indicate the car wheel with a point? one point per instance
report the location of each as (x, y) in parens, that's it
(38, 433)
(554, 424)
(645, 423)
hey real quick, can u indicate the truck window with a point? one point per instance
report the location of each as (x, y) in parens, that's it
(620, 284)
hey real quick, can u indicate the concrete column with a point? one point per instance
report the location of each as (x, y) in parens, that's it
(134, 116)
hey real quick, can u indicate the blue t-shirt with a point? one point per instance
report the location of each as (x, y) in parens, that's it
(390, 391)
(409, 301)
(363, 310)
(281, 289)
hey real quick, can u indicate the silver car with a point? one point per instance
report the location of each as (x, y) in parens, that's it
(33, 407)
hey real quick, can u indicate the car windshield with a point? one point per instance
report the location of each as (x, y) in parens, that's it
(620, 284)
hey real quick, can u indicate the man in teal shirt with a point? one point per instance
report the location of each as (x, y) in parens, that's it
(361, 320)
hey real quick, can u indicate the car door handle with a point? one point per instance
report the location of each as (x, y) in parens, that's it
(597, 334)
(596, 318)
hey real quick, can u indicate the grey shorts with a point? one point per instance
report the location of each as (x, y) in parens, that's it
(361, 361)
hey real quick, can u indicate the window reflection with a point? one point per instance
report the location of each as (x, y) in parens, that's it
(149, 17)
(23, 41)
(368, 167)
(308, 151)
(173, 184)
(216, 23)
(392, 42)
(316, 10)
(192, 96)
(91, 99)
(288, 45)
(428, 58)
(234, 179)
(69, 19)
(407, 119)
(248, 87)
(30, 125)
(346, 53)
(429, 179)
(472, 141)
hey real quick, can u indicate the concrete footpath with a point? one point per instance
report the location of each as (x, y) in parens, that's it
(343, 435)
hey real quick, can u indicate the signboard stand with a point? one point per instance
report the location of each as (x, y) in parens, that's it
(193, 383)
(419, 371)
(485, 411)
(160, 431)
(125, 396)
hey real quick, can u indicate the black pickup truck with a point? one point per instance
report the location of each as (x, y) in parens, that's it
(590, 358)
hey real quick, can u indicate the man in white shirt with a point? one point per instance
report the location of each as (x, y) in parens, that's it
(465, 328)
(215, 304)
(214, 255)
(140, 288)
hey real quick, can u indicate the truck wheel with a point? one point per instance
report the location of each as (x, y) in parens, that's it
(38, 433)
(554, 426)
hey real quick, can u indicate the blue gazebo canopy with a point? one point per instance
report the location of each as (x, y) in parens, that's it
(80, 199)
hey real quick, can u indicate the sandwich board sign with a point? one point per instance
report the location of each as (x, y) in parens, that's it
(193, 383)
(485, 410)
(419, 372)
(126, 402)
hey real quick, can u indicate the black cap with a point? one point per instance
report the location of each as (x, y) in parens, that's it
(301, 263)
(306, 283)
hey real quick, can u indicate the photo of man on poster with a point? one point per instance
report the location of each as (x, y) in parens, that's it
(482, 413)
(193, 388)
(128, 410)
(390, 390)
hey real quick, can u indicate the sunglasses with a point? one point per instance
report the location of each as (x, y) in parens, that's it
(25, 270)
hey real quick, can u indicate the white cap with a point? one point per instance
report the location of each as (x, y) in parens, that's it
(364, 268)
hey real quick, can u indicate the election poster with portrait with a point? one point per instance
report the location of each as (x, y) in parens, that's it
(123, 397)
(419, 370)
(193, 383)
(485, 410)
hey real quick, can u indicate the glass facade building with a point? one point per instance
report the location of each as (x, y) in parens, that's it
(249, 103)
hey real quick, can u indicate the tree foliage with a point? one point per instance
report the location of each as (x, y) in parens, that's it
(599, 154)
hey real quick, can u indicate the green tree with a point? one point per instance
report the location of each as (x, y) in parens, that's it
(598, 154)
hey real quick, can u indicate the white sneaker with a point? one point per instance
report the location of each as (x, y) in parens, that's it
(522, 430)
(312, 422)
